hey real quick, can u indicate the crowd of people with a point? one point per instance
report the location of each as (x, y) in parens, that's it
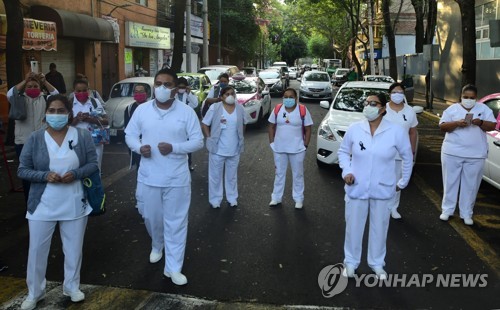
(57, 150)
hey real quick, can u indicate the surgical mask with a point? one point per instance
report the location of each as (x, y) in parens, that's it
(82, 96)
(140, 97)
(33, 92)
(181, 90)
(230, 99)
(56, 121)
(289, 102)
(468, 103)
(397, 98)
(162, 94)
(371, 113)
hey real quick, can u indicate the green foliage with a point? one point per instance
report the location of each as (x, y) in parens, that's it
(319, 46)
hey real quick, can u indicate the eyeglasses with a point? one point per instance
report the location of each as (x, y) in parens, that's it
(166, 84)
(372, 103)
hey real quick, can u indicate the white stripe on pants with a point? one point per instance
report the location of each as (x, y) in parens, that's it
(463, 173)
(216, 164)
(297, 165)
(165, 212)
(99, 149)
(399, 175)
(356, 213)
(72, 233)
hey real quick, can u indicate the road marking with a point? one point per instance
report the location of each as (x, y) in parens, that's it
(487, 205)
(486, 253)
(108, 181)
(490, 221)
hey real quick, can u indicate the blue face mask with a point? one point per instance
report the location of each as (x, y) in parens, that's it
(56, 121)
(222, 85)
(289, 102)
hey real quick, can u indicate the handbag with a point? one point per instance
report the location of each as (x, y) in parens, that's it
(100, 135)
(17, 109)
(94, 193)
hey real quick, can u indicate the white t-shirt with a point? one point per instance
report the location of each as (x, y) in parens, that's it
(87, 107)
(407, 118)
(468, 141)
(289, 137)
(228, 141)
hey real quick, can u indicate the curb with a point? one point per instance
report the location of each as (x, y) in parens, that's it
(431, 116)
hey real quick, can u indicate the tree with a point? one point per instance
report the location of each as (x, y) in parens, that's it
(391, 37)
(422, 9)
(467, 11)
(177, 57)
(319, 47)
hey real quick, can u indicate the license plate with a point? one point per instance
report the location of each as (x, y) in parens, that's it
(315, 95)
(113, 132)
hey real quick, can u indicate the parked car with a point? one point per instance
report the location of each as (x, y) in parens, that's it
(340, 76)
(346, 108)
(315, 85)
(292, 73)
(314, 67)
(214, 71)
(249, 71)
(284, 74)
(121, 96)
(273, 80)
(408, 83)
(378, 78)
(491, 171)
(253, 94)
(199, 83)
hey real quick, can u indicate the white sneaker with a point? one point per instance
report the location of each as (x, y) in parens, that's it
(75, 296)
(381, 274)
(299, 205)
(395, 214)
(274, 203)
(177, 278)
(29, 304)
(155, 256)
(468, 221)
(215, 206)
(348, 271)
(444, 217)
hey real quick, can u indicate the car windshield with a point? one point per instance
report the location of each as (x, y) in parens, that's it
(269, 75)
(386, 79)
(244, 86)
(317, 77)
(127, 90)
(212, 74)
(194, 81)
(352, 99)
(341, 72)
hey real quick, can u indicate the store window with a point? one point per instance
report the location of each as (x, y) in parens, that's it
(483, 14)
(142, 2)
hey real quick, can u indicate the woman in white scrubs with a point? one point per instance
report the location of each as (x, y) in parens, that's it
(223, 126)
(289, 136)
(367, 156)
(463, 153)
(55, 160)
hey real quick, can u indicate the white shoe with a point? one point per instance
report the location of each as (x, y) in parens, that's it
(75, 296)
(299, 205)
(155, 256)
(395, 214)
(381, 274)
(468, 221)
(215, 206)
(348, 271)
(29, 304)
(274, 203)
(444, 217)
(177, 278)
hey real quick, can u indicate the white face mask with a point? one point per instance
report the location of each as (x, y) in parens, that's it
(181, 90)
(397, 98)
(230, 99)
(468, 103)
(162, 94)
(371, 113)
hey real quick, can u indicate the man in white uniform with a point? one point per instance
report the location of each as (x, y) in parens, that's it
(170, 130)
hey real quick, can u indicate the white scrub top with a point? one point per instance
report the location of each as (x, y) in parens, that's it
(289, 135)
(407, 118)
(228, 140)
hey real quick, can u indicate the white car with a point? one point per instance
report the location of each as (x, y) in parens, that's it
(378, 78)
(253, 94)
(491, 171)
(346, 108)
(315, 85)
(121, 96)
(292, 73)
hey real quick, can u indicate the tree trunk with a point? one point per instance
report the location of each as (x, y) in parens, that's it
(391, 40)
(418, 6)
(180, 8)
(431, 22)
(468, 41)
(14, 51)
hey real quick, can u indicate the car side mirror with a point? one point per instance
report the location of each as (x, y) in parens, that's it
(324, 104)
(418, 109)
(265, 92)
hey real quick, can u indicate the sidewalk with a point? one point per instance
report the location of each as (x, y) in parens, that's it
(438, 106)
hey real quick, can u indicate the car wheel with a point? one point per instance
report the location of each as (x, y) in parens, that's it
(321, 164)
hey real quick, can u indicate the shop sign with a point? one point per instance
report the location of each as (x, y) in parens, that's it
(141, 35)
(39, 35)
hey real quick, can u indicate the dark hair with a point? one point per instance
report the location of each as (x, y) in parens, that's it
(223, 75)
(80, 81)
(167, 71)
(81, 76)
(292, 90)
(225, 90)
(182, 80)
(469, 87)
(382, 98)
(66, 103)
(52, 65)
(394, 85)
(33, 79)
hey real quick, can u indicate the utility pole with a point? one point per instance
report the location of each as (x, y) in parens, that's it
(188, 35)
(370, 33)
(219, 60)
(205, 33)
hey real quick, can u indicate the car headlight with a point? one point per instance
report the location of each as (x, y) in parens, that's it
(303, 88)
(250, 103)
(325, 132)
(328, 88)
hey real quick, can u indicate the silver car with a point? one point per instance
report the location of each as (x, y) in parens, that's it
(315, 85)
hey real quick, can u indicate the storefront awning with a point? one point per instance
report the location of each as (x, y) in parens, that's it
(74, 25)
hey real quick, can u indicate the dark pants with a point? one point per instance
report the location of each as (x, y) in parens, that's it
(189, 160)
(26, 184)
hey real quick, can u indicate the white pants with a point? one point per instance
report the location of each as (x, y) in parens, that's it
(99, 149)
(72, 233)
(463, 173)
(356, 212)
(165, 213)
(297, 165)
(216, 164)
(399, 175)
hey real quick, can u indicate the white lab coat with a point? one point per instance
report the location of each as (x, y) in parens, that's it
(188, 98)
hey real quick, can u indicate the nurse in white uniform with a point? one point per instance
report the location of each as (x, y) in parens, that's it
(185, 95)
(56, 160)
(463, 153)
(289, 136)
(223, 126)
(399, 112)
(367, 157)
(164, 130)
